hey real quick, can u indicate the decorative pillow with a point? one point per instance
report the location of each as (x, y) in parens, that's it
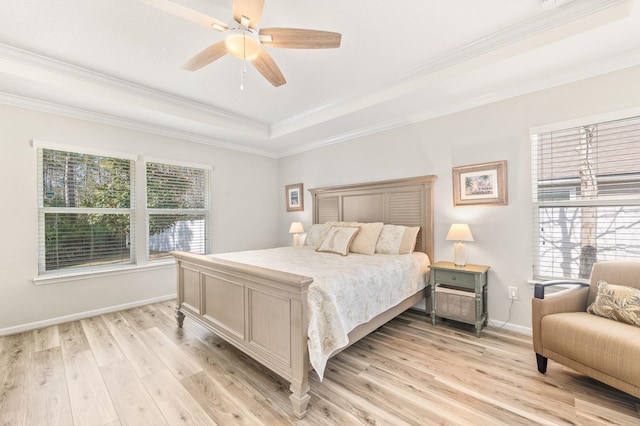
(397, 239)
(366, 239)
(315, 235)
(617, 302)
(339, 239)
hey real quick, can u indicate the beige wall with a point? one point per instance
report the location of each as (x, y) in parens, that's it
(240, 183)
(498, 131)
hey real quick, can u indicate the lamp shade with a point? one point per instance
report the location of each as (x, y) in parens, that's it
(296, 228)
(459, 232)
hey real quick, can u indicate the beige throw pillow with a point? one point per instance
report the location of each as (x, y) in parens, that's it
(397, 239)
(315, 234)
(338, 240)
(617, 302)
(366, 239)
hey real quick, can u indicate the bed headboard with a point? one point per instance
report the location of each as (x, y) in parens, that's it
(406, 202)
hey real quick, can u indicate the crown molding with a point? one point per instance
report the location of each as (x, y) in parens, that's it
(29, 60)
(83, 114)
(534, 32)
(618, 63)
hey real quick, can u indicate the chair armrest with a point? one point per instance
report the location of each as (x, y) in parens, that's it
(538, 291)
(573, 299)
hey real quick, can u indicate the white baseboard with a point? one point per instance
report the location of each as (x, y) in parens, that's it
(498, 324)
(511, 327)
(81, 315)
(88, 314)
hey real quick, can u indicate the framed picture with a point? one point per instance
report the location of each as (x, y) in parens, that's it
(295, 197)
(480, 184)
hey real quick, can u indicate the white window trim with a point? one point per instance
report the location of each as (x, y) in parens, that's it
(536, 204)
(138, 210)
(578, 122)
(131, 211)
(207, 212)
(38, 143)
(100, 271)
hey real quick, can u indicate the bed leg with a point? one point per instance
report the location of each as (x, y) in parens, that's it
(179, 317)
(299, 398)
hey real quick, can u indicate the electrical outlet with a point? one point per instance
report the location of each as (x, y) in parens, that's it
(513, 293)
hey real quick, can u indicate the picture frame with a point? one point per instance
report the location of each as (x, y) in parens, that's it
(480, 184)
(294, 197)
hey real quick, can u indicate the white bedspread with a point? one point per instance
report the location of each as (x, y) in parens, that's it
(346, 291)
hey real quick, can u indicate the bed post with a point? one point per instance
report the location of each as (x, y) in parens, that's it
(299, 397)
(179, 316)
(300, 355)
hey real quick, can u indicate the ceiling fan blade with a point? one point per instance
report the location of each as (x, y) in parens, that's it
(296, 38)
(251, 9)
(186, 14)
(208, 55)
(266, 66)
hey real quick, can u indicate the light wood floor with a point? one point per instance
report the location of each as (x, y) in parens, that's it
(137, 368)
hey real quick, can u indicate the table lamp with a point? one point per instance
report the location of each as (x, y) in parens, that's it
(459, 232)
(296, 229)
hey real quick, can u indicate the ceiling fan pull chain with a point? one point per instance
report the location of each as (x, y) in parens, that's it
(243, 64)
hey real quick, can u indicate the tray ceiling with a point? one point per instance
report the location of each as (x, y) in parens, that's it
(118, 61)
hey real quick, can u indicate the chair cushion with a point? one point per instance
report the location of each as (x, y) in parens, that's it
(603, 344)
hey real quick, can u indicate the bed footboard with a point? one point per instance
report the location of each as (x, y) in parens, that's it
(260, 311)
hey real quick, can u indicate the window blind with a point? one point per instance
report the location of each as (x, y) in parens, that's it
(178, 205)
(85, 210)
(586, 197)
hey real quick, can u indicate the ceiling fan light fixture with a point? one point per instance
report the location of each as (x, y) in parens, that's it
(243, 44)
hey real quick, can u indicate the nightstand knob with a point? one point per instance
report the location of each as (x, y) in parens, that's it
(453, 277)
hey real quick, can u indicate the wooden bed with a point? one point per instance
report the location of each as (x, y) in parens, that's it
(263, 312)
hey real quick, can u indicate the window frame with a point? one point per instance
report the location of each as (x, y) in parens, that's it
(571, 183)
(206, 211)
(138, 214)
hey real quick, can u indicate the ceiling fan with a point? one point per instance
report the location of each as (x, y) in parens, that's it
(245, 41)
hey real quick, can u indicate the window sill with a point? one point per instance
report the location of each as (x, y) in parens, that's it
(59, 277)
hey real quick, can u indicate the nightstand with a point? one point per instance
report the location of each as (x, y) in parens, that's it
(459, 293)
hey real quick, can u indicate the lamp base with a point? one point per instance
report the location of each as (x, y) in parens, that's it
(296, 240)
(459, 254)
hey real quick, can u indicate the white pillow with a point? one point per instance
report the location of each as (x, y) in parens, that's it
(338, 240)
(397, 239)
(366, 239)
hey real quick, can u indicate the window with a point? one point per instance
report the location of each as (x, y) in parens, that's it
(178, 209)
(85, 210)
(586, 197)
(88, 210)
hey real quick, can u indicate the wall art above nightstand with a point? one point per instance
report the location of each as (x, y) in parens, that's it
(480, 184)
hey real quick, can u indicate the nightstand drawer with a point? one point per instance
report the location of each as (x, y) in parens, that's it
(455, 278)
